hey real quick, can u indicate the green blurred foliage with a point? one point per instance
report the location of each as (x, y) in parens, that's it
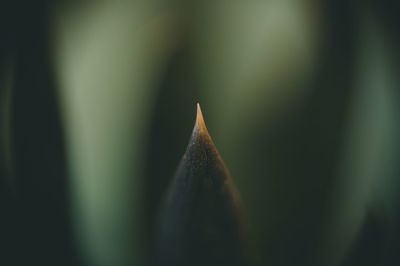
(98, 101)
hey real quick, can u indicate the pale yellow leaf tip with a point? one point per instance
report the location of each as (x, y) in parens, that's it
(200, 120)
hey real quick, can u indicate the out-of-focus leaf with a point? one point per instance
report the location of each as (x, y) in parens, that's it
(109, 57)
(278, 77)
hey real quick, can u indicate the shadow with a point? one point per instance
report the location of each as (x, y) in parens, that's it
(42, 225)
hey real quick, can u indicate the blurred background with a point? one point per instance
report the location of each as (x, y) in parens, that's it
(97, 103)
